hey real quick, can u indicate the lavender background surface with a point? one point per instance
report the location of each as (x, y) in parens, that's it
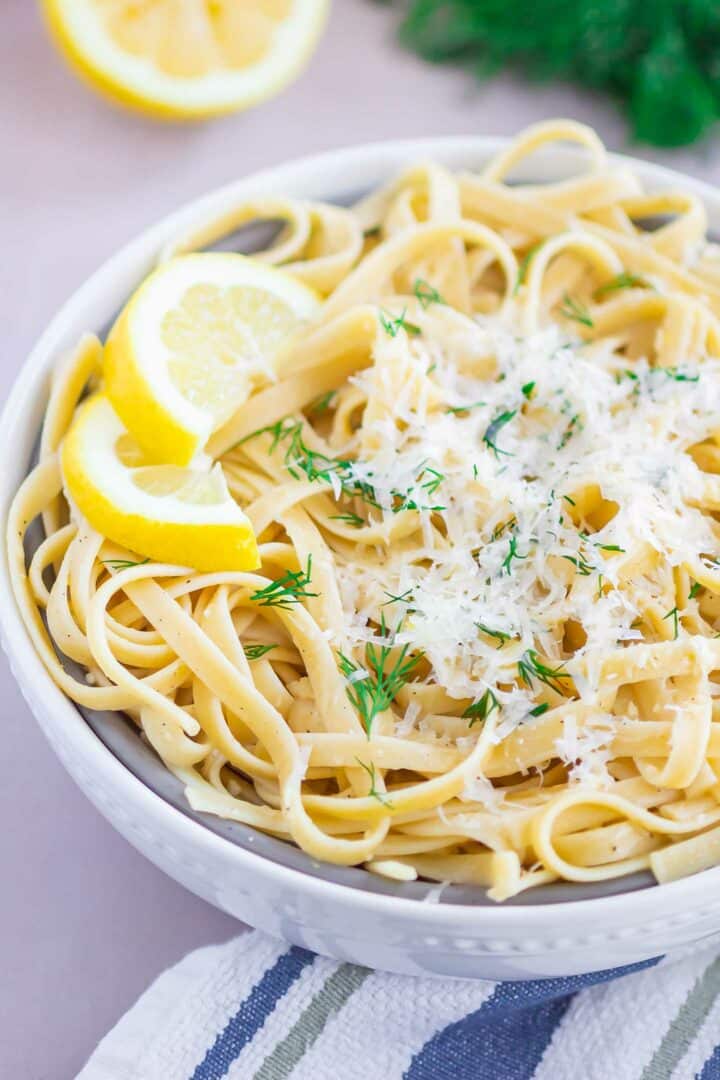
(86, 922)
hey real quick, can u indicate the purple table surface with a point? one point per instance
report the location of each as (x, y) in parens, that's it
(87, 923)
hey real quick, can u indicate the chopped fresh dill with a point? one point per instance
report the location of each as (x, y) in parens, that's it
(512, 554)
(572, 309)
(393, 324)
(475, 472)
(673, 614)
(434, 483)
(254, 652)
(568, 500)
(123, 564)
(458, 409)
(624, 280)
(494, 428)
(322, 404)
(695, 589)
(601, 547)
(539, 709)
(583, 567)
(403, 598)
(380, 681)
(426, 294)
(530, 667)
(479, 711)
(524, 265)
(527, 390)
(370, 770)
(289, 589)
(601, 583)
(500, 636)
(676, 374)
(574, 425)
(374, 230)
(350, 519)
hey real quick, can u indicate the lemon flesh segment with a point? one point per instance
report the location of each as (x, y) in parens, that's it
(194, 341)
(187, 58)
(182, 516)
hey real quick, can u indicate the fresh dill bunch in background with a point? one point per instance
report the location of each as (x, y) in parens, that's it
(660, 58)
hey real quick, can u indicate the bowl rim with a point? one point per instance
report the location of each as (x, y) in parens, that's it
(19, 425)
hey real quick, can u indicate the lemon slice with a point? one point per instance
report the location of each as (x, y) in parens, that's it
(167, 513)
(187, 58)
(193, 342)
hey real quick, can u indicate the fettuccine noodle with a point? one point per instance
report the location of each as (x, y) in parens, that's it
(489, 477)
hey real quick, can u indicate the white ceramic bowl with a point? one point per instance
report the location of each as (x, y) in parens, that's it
(346, 914)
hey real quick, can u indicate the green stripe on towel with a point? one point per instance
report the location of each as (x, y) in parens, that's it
(329, 1000)
(685, 1026)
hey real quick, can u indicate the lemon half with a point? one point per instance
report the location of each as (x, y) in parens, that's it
(187, 58)
(193, 342)
(164, 512)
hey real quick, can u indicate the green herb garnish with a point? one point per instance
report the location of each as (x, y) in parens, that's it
(673, 614)
(512, 554)
(123, 564)
(539, 709)
(524, 265)
(458, 409)
(527, 390)
(289, 589)
(574, 310)
(370, 770)
(255, 652)
(479, 711)
(350, 519)
(322, 404)
(426, 294)
(403, 598)
(393, 324)
(500, 636)
(695, 589)
(378, 685)
(622, 281)
(531, 667)
(493, 429)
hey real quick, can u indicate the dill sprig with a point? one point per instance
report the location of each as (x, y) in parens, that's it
(583, 567)
(511, 555)
(694, 590)
(625, 280)
(539, 709)
(426, 293)
(676, 374)
(403, 598)
(479, 711)
(531, 667)
(381, 680)
(575, 311)
(255, 652)
(370, 770)
(459, 409)
(373, 230)
(524, 265)
(350, 519)
(123, 564)
(392, 325)
(494, 428)
(500, 636)
(674, 614)
(527, 390)
(289, 589)
(322, 404)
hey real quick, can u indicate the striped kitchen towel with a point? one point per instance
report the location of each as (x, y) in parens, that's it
(259, 1009)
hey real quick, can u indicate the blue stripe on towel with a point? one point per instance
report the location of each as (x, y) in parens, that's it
(503, 1039)
(711, 1068)
(252, 1014)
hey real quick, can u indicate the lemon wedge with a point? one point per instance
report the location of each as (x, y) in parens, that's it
(192, 343)
(164, 512)
(187, 58)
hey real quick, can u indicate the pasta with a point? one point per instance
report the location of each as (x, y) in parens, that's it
(484, 642)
